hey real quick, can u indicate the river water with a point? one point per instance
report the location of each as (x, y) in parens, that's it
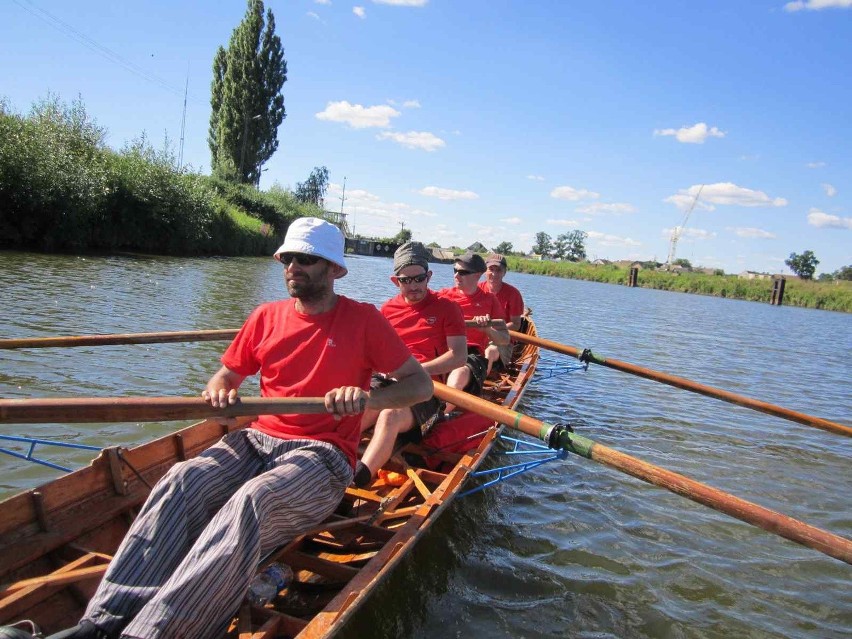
(572, 549)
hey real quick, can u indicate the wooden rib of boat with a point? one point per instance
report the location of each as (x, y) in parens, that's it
(57, 540)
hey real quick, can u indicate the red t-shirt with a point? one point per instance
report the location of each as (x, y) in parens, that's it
(510, 299)
(302, 355)
(480, 303)
(425, 326)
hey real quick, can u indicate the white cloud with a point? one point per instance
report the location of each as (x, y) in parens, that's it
(725, 193)
(311, 14)
(512, 220)
(572, 223)
(815, 165)
(359, 11)
(537, 178)
(816, 5)
(830, 191)
(368, 214)
(605, 239)
(411, 104)
(690, 233)
(403, 3)
(358, 116)
(414, 140)
(572, 194)
(825, 220)
(753, 233)
(600, 208)
(322, 1)
(447, 194)
(695, 134)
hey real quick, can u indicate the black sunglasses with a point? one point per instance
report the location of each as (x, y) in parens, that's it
(408, 279)
(300, 258)
(461, 271)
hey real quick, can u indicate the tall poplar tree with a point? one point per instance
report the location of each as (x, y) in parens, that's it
(245, 98)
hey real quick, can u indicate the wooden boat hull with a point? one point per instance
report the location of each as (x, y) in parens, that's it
(57, 540)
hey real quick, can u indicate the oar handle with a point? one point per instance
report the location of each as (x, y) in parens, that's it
(146, 409)
(686, 384)
(792, 529)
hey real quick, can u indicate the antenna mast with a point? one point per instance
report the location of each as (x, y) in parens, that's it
(343, 226)
(183, 119)
(676, 231)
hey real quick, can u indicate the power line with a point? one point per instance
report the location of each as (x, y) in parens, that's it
(103, 51)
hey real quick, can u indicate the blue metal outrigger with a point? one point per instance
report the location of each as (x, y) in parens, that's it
(522, 447)
(33, 442)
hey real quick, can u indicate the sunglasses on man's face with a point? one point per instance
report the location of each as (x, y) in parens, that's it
(300, 258)
(404, 279)
(461, 271)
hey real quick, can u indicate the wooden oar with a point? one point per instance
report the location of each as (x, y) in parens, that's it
(143, 338)
(122, 338)
(686, 384)
(560, 438)
(145, 409)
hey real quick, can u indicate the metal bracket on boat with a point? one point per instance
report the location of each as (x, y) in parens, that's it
(555, 434)
(588, 356)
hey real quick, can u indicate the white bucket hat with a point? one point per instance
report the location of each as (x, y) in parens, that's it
(313, 236)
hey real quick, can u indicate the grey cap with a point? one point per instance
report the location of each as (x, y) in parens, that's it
(411, 254)
(471, 261)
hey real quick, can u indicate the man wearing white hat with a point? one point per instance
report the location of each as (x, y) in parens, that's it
(187, 561)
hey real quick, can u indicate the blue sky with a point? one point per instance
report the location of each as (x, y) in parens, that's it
(471, 120)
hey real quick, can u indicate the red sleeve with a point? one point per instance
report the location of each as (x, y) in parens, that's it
(385, 351)
(497, 311)
(515, 305)
(454, 320)
(240, 355)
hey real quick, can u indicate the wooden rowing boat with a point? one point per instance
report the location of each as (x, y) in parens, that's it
(57, 540)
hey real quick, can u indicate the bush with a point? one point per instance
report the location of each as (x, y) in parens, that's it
(831, 296)
(63, 189)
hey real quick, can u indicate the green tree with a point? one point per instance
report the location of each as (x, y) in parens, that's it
(543, 244)
(245, 98)
(504, 248)
(682, 261)
(313, 189)
(802, 265)
(844, 273)
(571, 246)
(403, 236)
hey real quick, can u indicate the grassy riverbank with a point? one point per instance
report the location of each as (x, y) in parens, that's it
(830, 296)
(63, 189)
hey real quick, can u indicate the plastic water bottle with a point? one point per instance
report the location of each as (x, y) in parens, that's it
(267, 584)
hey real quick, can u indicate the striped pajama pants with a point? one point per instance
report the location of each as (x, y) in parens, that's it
(186, 562)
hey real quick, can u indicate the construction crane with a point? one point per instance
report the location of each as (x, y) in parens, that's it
(676, 231)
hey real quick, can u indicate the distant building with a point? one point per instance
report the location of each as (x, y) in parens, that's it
(442, 256)
(754, 275)
(370, 247)
(600, 262)
(628, 264)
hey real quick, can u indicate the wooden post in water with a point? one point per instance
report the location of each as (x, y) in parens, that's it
(778, 282)
(633, 278)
